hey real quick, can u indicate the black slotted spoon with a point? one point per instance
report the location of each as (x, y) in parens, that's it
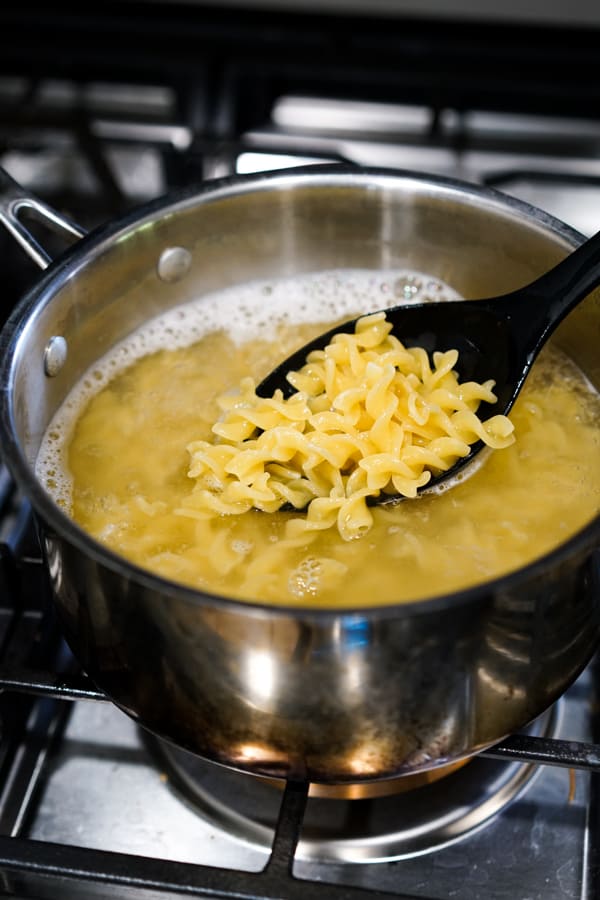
(497, 338)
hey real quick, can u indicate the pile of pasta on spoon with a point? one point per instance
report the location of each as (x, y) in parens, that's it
(369, 415)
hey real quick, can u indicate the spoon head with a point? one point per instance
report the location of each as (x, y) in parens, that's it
(478, 329)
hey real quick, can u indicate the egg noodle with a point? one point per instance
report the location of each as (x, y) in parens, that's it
(369, 415)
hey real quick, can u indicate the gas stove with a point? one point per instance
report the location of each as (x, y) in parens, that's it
(90, 805)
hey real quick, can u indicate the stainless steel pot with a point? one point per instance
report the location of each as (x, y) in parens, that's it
(353, 695)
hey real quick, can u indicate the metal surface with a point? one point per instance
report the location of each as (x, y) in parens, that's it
(55, 355)
(439, 679)
(14, 201)
(174, 264)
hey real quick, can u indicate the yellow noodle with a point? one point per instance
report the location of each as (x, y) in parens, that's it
(348, 433)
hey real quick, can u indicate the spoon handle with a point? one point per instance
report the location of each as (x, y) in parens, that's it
(541, 305)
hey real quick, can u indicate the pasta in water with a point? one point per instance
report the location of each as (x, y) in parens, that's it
(369, 416)
(116, 458)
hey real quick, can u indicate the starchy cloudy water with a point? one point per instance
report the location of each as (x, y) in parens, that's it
(130, 428)
(246, 312)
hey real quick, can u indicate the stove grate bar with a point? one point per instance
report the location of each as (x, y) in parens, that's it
(539, 176)
(547, 751)
(20, 855)
(58, 686)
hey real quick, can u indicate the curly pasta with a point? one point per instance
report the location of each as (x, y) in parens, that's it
(369, 415)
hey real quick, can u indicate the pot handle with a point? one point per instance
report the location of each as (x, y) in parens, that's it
(13, 201)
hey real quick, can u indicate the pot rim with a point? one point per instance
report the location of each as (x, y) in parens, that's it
(76, 257)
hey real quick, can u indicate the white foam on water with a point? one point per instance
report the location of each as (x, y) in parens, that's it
(246, 312)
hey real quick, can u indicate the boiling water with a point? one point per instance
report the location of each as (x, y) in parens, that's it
(115, 457)
(246, 312)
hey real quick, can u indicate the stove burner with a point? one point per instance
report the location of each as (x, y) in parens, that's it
(379, 829)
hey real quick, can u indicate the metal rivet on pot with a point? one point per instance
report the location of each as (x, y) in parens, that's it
(174, 263)
(55, 355)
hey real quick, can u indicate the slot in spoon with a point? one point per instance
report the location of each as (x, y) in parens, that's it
(497, 338)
